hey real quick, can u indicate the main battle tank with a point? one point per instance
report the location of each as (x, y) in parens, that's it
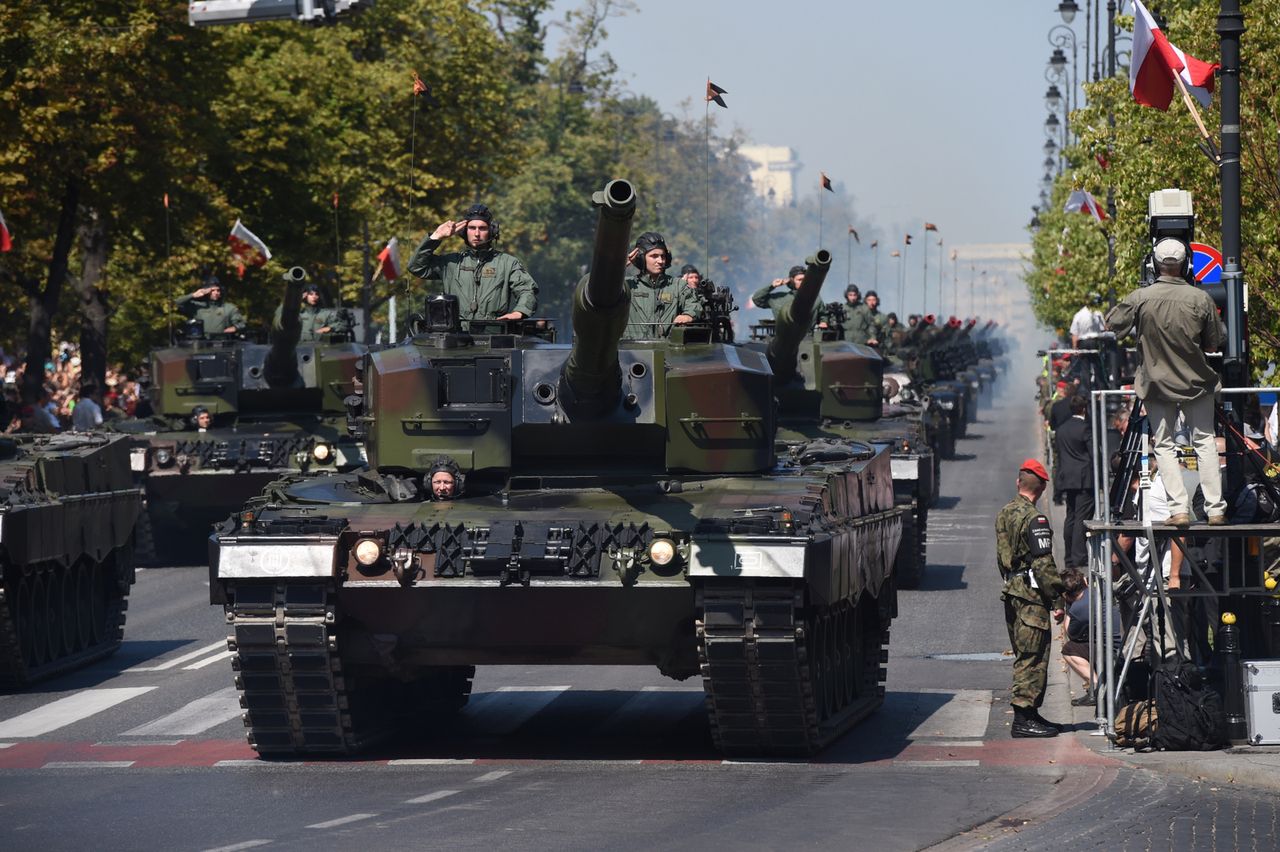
(829, 389)
(67, 511)
(621, 503)
(274, 407)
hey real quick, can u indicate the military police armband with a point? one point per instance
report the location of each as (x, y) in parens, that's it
(1039, 537)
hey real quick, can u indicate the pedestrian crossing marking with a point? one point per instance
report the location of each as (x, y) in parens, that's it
(432, 797)
(194, 717)
(223, 655)
(177, 661)
(334, 823)
(68, 710)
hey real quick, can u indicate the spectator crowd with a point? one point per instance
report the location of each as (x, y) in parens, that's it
(67, 400)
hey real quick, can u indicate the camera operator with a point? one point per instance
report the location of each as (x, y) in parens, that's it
(1176, 324)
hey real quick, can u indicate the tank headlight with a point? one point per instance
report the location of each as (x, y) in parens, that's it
(662, 551)
(322, 453)
(368, 551)
(164, 458)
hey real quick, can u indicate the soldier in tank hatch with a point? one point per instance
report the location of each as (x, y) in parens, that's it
(779, 292)
(206, 306)
(658, 301)
(489, 284)
(444, 479)
(691, 276)
(317, 320)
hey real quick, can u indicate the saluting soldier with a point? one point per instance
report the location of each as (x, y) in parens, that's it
(206, 305)
(489, 284)
(780, 291)
(317, 320)
(658, 301)
(1033, 590)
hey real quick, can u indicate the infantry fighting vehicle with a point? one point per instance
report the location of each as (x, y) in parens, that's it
(830, 389)
(67, 511)
(621, 502)
(273, 408)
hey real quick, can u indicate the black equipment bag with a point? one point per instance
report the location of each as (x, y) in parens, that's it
(1190, 713)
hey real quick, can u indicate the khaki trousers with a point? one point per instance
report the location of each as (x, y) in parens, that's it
(1163, 416)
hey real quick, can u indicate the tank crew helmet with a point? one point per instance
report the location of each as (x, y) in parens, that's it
(687, 268)
(647, 242)
(484, 214)
(442, 487)
(196, 414)
(853, 288)
(796, 270)
(891, 316)
(310, 287)
(870, 293)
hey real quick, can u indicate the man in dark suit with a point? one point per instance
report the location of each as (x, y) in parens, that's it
(1074, 443)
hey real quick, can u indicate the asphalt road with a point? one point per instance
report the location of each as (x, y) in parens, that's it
(146, 750)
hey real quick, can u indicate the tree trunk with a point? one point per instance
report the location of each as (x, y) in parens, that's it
(44, 303)
(94, 245)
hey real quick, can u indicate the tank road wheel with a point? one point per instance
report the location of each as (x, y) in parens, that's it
(25, 616)
(38, 624)
(908, 568)
(98, 580)
(83, 590)
(144, 540)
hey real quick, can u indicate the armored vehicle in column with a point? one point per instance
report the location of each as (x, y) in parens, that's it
(67, 510)
(232, 416)
(528, 502)
(832, 390)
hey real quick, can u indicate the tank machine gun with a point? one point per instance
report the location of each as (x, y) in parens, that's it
(274, 408)
(623, 504)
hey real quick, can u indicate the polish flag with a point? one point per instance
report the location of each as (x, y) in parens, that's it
(1156, 61)
(389, 260)
(247, 248)
(1081, 201)
(6, 242)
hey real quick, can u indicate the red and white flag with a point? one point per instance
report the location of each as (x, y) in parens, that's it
(1156, 62)
(1081, 201)
(248, 249)
(389, 260)
(6, 242)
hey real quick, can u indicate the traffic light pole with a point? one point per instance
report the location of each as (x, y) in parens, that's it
(1230, 27)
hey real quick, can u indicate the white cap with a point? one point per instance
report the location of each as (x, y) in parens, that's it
(1170, 250)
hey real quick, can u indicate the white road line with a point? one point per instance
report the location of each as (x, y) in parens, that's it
(65, 711)
(202, 663)
(248, 761)
(654, 707)
(491, 776)
(431, 761)
(510, 707)
(177, 661)
(88, 764)
(195, 717)
(7, 745)
(432, 797)
(334, 823)
(236, 847)
(964, 716)
(937, 764)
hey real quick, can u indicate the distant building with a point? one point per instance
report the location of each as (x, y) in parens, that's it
(773, 173)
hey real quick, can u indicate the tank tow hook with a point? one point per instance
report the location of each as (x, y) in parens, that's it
(626, 564)
(402, 566)
(513, 572)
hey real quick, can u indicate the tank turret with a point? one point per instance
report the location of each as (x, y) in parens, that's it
(280, 368)
(591, 379)
(795, 320)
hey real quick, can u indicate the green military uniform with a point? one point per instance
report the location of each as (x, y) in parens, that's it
(216, 316)
(488, 283)
(1024, 550)
(655, 303)
(773, 298)
(314, 318)
(865, 324)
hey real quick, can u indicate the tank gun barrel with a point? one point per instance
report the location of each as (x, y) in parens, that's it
(591, 379)
(281, 366)
(917, 331)
(795, 320)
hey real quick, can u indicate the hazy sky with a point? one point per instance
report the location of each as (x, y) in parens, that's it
(923, 110)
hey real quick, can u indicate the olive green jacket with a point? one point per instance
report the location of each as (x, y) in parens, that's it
(216, 316)
(1175, 324)
(865, 324)
(656, 302)
(773, 298)
(314, 318)
(488, 283)
(1013, 557)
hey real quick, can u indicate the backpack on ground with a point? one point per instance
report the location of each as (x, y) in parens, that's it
(1191, 715)
(1135, 725)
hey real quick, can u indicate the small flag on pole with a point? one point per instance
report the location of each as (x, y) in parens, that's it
(1081, 201)
(895, 253)
(854, 231)
(247, 248)
(419, 87)
(1102, 161)
(713, 94)
(929, 226)
(954, 254)
(907, 240)
(826, 182)
(389, 260)
(6, 242)
(1156, 63)
(875, 244)
(166, 201)
(335, 201)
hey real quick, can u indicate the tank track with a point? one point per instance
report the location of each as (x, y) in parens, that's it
(909, 566)
(296, 694)
(55, 617)
(783, 678)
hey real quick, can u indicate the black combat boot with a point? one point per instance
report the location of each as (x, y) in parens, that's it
(1027, 724)
(1043, 721)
